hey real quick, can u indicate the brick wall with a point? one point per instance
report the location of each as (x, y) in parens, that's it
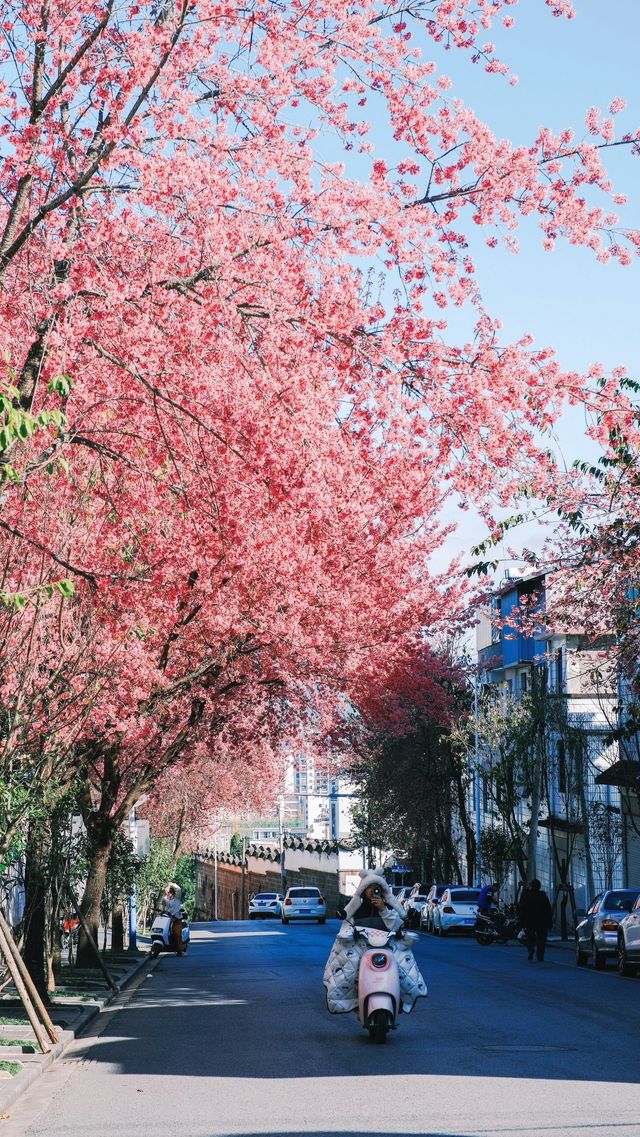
(231, 889)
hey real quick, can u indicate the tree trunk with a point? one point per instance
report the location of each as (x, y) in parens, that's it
(588, 859)
(536, 801)
(100, 833)
(35, 925)
(117, 929)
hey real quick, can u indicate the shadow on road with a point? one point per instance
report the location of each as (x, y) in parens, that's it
(247, 1003)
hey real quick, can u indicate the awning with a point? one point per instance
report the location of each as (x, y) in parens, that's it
(560, 824)
(624, 773)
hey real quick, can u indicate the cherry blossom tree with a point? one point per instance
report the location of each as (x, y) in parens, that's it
(241, 442)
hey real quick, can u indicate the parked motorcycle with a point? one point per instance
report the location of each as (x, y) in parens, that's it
(496, 928)
(161, 938)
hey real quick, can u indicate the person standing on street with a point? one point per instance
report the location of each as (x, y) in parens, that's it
(536, 917)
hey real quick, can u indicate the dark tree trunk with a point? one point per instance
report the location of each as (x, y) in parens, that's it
(100, 835)
(117, 929)
(35, 924)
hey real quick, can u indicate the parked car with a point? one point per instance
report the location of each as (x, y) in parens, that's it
(403, 894)
(414, 906)
(628, 942)
(433, 896)
(597, 932)
(304, 903)
(265, 904)
(456, 910)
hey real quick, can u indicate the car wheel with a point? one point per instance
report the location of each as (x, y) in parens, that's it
(598, 958)
(322, 920)
(624, 967)
(443, 931)
(284, 920)
(252, 915)
(581, 956)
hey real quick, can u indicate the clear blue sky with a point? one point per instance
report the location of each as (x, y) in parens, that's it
(585, 310)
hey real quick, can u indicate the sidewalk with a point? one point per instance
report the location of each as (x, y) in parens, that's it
(79, 998)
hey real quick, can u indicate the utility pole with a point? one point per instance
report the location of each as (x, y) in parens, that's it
(477, 781)
(283, 872)
(133, 909)
(215, 877)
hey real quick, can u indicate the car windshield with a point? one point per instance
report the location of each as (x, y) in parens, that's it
(616, 900)
(296, 893)
(465, 897)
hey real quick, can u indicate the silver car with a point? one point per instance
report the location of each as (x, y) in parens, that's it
(629, 941)
(597, 932)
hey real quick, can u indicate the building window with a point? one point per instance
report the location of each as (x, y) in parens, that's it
(559, 670)
(562, 766)
(486, 800)
(496, 619)
(523, 682)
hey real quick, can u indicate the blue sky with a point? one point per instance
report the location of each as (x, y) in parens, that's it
(585, 310)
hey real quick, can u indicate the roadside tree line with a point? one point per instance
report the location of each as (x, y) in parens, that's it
(226, 441)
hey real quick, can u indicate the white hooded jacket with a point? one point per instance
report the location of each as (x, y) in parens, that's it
(341, 970)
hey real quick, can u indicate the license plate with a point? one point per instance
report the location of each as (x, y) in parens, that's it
(303, 911)
(468, 921)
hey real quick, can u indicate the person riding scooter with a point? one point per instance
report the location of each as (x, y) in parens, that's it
(372, 905)
(171, 903)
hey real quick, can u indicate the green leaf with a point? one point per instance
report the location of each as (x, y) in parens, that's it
(65, 587)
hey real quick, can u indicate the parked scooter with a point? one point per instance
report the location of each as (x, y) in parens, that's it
(378, 982)
(161, 938)
(496, 928)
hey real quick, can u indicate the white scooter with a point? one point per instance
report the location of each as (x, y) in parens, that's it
(161, 938)
(378, 982)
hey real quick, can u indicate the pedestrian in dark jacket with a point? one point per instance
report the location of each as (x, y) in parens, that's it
(536, 918)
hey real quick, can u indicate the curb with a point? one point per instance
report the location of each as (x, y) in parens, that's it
(11, 1090)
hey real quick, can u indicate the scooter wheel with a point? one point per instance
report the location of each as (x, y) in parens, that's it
(378, 1026)
(155, 951)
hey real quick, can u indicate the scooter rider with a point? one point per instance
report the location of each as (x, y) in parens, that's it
(488, 899)
(171, 903)
(372, 905)
(374, 910)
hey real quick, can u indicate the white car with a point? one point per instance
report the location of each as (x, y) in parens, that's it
(304, 903)
(456, 910)
(433, 896)
(265, 904)
(414, 906)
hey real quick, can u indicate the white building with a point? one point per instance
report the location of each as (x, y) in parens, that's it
(581, 708)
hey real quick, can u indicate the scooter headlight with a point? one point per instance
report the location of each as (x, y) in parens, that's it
(378, 959)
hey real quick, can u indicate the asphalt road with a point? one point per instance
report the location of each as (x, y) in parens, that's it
(234, 1039)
